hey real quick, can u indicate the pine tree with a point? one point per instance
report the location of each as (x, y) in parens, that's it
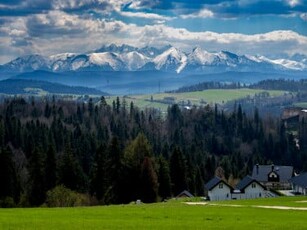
(149, 182)
(70, 172)
(37, 192)
(9, 183)
(199, 183)
(50, 168)
(178, 172)
(164, 179)
(99, 173)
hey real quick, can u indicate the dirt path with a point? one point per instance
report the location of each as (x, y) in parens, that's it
(282, 207)
(253, 206)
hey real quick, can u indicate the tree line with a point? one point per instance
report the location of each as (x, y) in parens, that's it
(118, 153)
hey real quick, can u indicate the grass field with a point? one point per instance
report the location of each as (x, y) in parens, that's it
(301, 104)
(210, 96)
(169, 215)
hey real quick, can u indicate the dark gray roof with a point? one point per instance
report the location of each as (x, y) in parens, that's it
(246, 181)
(186, 193)
(215, 181)
(300, 180)
(285, 172)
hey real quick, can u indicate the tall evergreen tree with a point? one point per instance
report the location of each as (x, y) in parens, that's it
(9, 183)
(37, 192)
(70, 173)
(149, 181)
(99, 173)
(164, 179)
(178, 172)
(50, 168)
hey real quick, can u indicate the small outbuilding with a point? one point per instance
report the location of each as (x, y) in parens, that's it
(184, 194)
(218, 189)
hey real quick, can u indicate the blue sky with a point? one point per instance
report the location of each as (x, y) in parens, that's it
(274, 28)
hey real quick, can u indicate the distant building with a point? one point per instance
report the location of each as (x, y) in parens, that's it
(249, 188)
(299, 184)
(218, 189)
(273, 176)
(184, 194)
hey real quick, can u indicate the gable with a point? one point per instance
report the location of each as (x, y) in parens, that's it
(222, 187)
(247, 182)
(217, 182)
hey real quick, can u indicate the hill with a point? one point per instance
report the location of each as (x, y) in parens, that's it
(21, 86)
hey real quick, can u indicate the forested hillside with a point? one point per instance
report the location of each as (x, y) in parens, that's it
(117, 153)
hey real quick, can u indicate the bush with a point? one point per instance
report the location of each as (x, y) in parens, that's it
(7, 202)
(61, 196)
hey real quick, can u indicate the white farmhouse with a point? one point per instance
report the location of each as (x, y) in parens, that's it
(218, 189)
(249, 188)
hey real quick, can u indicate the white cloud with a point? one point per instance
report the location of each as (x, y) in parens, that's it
(204, 13)
(294, 3)
(304, 16)
(57, 32)
(145, 15)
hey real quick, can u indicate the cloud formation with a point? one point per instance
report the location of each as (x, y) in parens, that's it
(55, 26)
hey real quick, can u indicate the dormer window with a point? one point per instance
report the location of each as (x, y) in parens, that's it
(273, 176)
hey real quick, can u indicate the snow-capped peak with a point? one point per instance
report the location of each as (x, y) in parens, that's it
(201, 57)
(171, 59)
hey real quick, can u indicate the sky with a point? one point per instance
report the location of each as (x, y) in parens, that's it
(273, 28)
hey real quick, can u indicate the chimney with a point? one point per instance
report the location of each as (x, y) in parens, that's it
(257, 169)
(272, 167)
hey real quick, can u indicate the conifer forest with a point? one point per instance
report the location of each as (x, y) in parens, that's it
(117, 153)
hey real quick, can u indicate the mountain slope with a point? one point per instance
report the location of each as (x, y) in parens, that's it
(166, 59)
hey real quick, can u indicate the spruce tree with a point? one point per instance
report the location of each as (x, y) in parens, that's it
(37, 190)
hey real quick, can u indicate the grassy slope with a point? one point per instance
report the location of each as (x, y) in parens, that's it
(210, 96)
(301, 104)
(171, 215)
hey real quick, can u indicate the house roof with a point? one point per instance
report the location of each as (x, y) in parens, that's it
(300, 180)
(261, 174)
(214, 182)
(246, 181)
(185, 193)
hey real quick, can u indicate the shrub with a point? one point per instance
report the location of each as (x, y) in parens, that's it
(61, 196)
(7, 202)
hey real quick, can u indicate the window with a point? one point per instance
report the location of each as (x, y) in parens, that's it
(253, 185)
(220, 185)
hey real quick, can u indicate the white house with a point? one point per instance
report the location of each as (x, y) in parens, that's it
(249, 188)
(218, 189)
(299, 183)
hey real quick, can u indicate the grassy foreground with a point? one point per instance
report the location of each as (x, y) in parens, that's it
(170, 215)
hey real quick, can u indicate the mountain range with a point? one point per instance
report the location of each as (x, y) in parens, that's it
(166, 59)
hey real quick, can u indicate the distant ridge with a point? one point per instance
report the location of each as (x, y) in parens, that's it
(165, 59)
(22, 86)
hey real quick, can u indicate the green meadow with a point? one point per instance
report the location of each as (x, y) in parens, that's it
(211, 96)
(174, 214)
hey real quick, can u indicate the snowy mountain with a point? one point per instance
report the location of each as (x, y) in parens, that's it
(165, 59)
(27, 63)
(172, 60)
